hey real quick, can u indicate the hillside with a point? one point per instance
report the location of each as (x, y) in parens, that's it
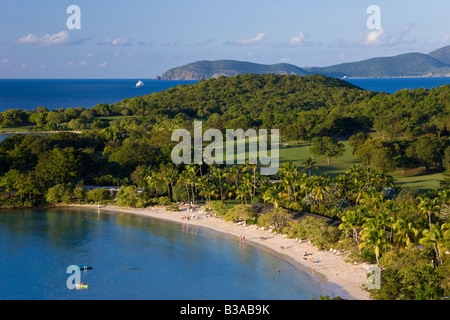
(436, 63)
(213, 69)
(404, 65)
(442, 54)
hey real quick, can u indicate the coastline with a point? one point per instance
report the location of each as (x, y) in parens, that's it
(332, 267)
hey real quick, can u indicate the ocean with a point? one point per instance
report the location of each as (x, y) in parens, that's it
(56, 93)
(52, 94)
(134, 257)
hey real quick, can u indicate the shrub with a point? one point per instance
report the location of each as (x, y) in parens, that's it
(98, 195)
(58, 193)
(240, 212)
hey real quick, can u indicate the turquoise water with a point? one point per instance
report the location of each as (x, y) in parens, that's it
(135, 257)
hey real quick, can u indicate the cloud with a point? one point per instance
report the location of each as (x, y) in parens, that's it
(104, 64)
(117, 42)
(378, 38)
(5, 61)
(46, 40)
(89, 55)
(301, 39)
(204, 42)
(248, 41)
(446, 38)
(169, 43)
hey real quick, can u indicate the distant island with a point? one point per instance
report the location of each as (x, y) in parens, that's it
(414, 64)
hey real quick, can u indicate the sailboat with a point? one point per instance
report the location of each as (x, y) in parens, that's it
(139, 84)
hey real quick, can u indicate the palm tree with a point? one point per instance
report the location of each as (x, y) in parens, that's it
(272, 195)
(427, 206)
(353, 220)
(375, 237)
(309, 164)
(437, 237)
(405, 233)
(184, 177)
(242, 192)
(202, 182)
(192, 179)
(444, 196)
(235, 172)
(153, 180)
(319, 193)
(169, 173)
(219, 174)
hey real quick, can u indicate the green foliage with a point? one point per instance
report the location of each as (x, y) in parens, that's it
(98, 195)
(315, 230)
(277, 218)
(58, 166)
(408, 275)
(128, 197)
(240, 212)
(59, 193)
(327, 147)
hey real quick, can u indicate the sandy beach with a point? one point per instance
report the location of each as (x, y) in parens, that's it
(331, 266)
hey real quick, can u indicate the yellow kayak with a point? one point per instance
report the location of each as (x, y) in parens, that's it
(81, 286)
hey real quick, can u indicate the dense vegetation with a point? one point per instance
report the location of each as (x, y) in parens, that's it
(212, 69)
(128, 144)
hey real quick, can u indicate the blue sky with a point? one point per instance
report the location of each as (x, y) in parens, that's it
(144, 38)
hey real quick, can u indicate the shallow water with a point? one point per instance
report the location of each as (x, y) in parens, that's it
(136, 257)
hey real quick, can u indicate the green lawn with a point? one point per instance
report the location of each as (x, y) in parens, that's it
(17, 129)
(415, 179)
(300, 152)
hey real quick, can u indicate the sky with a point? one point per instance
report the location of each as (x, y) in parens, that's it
(144, 38)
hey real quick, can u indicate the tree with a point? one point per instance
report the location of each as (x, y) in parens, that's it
(353, 220)
(405, 233)
(98, 195)
(374, 236)
(309, 164)
(427, 206)
(357, 140)
(241, 212)
(327, 147)
(59, 166)
(428, 149)
(128, 197)
(365, 151)
(272, 195)
(381, 159)
(277, 217)
(295, 132)
(437, 237)
(59, 193)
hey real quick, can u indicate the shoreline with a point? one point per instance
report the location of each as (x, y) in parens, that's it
(331, 271)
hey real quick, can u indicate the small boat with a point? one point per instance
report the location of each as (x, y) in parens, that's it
(81, 286)
(84, 267)
(139, 84)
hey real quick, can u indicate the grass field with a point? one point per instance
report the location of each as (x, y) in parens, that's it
(414, 179)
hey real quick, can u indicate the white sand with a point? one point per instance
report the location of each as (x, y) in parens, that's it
(348, 276)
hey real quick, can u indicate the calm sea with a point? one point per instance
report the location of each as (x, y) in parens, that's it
(135, 257)
(29, 94)
(55, 93)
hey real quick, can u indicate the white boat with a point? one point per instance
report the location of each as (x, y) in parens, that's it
(139, 84)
